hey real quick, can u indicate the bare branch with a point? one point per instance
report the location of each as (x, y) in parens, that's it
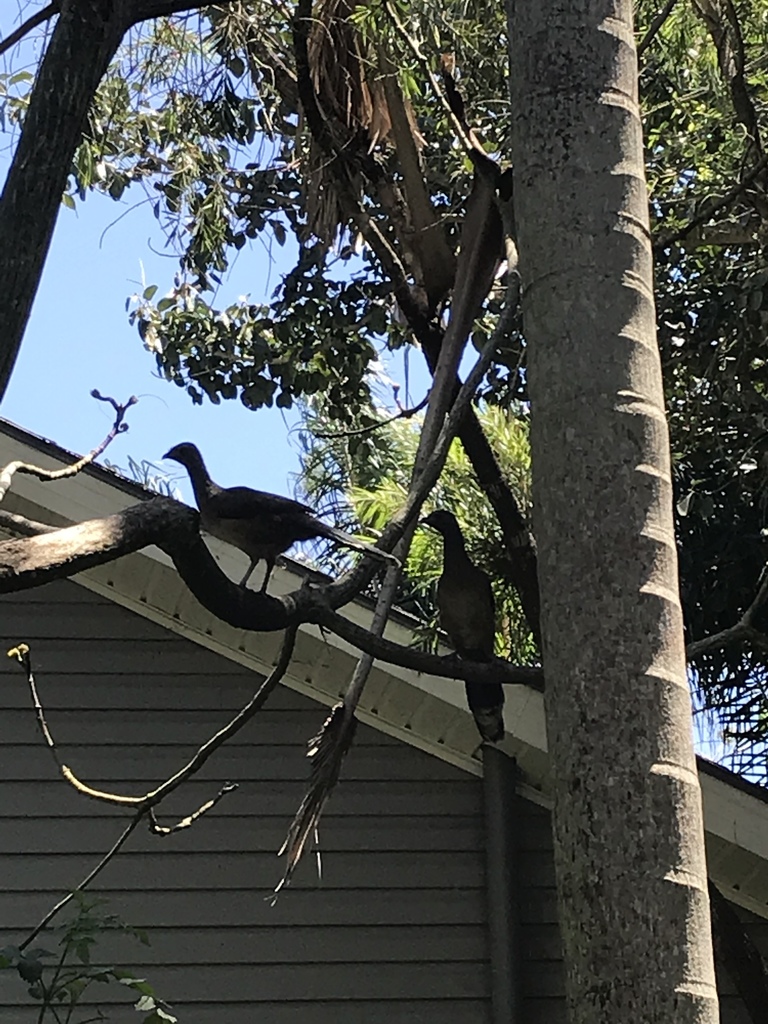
(161, 830)
(147, 803)
(743, 630)
(446, 667)
(462, 134)
(722, 22)
(29, 25)
(243, 716)
(118, 427)
(328, 749)
(52, 553)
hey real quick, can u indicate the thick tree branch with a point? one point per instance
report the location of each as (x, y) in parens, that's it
(48, 553)
(497, 671)
(83, 42)
(38, 18)
(722, 22)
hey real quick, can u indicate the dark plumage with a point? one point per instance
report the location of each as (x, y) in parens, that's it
(262, 525)
(468, 616)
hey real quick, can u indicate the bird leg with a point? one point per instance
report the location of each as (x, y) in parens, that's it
(251, 567)
(270, 566)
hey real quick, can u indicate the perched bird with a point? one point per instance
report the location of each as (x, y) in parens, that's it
(468, 616)
(260, 524)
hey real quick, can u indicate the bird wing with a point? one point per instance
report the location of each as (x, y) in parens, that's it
(468, 615)
(273, 521)
(245, 503)
(467, 611)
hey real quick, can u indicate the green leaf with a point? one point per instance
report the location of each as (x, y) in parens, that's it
(68, 201)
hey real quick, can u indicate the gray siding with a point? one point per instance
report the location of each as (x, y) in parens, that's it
(395, 930)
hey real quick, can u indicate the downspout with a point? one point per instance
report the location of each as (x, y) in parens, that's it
(502, 825)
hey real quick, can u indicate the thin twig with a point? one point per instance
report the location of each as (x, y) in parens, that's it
(31, 23)
(118, 427)
(404, 414)
(152, 799)
(166, 830)
(655, 27)
(413, 46)
(86, 881)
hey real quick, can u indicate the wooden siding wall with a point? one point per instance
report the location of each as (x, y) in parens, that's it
(394, 932)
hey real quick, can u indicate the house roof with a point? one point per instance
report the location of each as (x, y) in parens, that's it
(424, 711)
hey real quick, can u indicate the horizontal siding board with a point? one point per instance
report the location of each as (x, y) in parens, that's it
(57, 799)
(109, 658)
(76, 622)
(172, 869)
(423, 1011)
(173, 728)
(89, 835)
(256, 762)
(274, 945)
(305, 981)
(208, 907)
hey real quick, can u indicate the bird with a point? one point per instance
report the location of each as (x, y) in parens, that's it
(468, 615)
(262, 525)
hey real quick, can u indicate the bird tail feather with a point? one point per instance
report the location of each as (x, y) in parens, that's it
(486, 702)
(326, 751)
(334, 533)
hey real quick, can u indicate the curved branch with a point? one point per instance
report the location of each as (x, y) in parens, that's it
(47, 554)
(447, 667)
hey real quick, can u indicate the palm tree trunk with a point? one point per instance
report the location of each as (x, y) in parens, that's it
(629, 841)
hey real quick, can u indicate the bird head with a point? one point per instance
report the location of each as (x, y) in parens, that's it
(186, 453)
(441, 520)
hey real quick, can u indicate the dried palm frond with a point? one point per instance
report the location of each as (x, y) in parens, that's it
(353, 106)
(326, 751)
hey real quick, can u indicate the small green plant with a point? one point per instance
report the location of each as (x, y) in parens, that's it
(59, 981)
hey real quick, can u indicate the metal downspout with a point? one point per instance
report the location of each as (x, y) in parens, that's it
(502, 824)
